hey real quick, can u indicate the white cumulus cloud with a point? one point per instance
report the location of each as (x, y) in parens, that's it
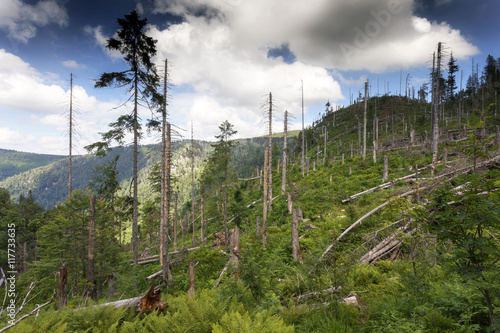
(22, 20)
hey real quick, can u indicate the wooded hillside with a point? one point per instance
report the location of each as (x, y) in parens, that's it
(376, 231)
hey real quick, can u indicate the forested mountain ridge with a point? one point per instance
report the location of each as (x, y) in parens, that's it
(46, 176)
(13, 162)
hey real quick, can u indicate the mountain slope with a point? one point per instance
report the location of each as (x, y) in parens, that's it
(13, 162)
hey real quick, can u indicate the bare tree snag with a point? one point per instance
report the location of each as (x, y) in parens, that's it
(290, 204)
(191, 277)
(295, 236)
(167, 276)
(90, 270)
(385, 174)
(62, 291)
(264, 206)
(257, 227)
(70, 132)
(364, 119)
(175, 223)
(303, 134)
(235, 250)
(192, 183)
(436, 99)
(111, 286)
(283, 175)
(202, 212)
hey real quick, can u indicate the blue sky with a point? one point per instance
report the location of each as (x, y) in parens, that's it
(226, 56)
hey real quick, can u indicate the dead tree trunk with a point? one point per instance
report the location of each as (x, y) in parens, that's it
(364, 120)
(175, 223)
(235, 250)
(435, 131)
(202, 212)
(257, 227)
(191, 278)
(303, 134)
(270, 152)
(264, 213)
(283, 175)
(90, 269)
(166, 226)
(62, 291)
(385, 174)
(149, 302)
(295, 236)
(70, 161)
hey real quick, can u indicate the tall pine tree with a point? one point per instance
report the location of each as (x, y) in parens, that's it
(142, 81)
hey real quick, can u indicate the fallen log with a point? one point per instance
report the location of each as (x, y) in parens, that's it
(316, 294)
(386, 245)
(380, 187)
(147, 302)
(156, 258)
(373, 211)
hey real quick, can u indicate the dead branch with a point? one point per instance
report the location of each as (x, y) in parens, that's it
(249, 179)
(385, 245)
(373, 211)
(32, 312)
(316, 294)
(380, 187)
(3, 280)
(30, 289)
(155, 258)
(222, 273)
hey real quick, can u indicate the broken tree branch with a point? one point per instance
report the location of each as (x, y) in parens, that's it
(373, 211)
(32, 312)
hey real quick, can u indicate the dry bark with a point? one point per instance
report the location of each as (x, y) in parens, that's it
(147, 302)
(63, 287)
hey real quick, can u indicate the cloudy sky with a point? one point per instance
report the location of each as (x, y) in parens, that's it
(225, 56)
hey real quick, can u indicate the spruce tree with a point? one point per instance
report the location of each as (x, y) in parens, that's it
(452, 82)
(142, 81)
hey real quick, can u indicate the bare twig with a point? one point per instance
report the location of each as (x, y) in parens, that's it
(34, 311)
(30, 289)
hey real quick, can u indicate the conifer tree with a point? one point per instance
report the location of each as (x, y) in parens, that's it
(142, 81)
(452, 82)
